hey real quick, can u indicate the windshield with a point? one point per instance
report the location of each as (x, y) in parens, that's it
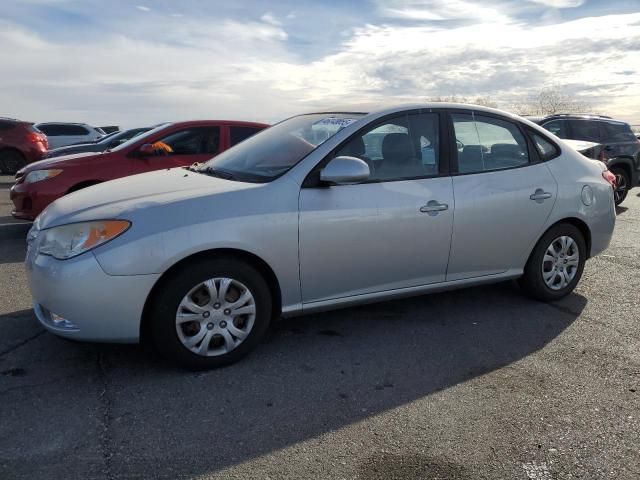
(270, 153)
(137, 138)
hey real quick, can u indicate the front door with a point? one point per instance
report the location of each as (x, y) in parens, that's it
(503, 197)
(390, 232)
(181, 148)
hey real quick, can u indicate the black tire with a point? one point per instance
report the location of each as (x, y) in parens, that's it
(11, 161)
(623, 183)
(532, 282)
(170, 293)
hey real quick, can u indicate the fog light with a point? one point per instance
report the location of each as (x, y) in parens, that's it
(61, 322)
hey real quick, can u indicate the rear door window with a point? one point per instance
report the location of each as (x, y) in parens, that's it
(50, 130)
(587, 130)
(486, 143)
(74, 130)
(558, 128)
(239, 134)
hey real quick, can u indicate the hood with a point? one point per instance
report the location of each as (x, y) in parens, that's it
(59, 162)
(128, 196)
(78, 148)
(580, 145)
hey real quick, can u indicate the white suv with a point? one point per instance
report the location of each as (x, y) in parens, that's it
(62, 134)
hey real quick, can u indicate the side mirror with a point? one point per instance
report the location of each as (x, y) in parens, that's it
(146, 150)
(345, 171)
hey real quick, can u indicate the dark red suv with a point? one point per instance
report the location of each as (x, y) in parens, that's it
(20, 143)
(168, 145)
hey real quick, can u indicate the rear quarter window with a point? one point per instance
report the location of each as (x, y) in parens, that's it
(618, 132)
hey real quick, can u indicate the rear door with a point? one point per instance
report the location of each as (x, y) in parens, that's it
(181, 147)
(503, 196)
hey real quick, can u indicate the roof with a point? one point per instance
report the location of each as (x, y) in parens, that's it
(391, 108)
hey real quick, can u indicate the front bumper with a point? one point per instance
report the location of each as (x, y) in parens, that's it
(98, 307)
(28, 202)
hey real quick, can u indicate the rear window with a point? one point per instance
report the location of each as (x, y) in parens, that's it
(618, 132)
(6, 125)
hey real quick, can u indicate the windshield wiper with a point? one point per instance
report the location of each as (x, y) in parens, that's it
(217, 172)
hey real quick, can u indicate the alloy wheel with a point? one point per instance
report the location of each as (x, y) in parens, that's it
(621, 187)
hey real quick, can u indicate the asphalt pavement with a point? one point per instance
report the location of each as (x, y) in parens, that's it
(480, 383)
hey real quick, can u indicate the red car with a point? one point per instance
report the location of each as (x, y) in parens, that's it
(168, 145)
(20, 143)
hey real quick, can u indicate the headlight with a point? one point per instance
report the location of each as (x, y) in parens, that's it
(38, 175)
(68, 241)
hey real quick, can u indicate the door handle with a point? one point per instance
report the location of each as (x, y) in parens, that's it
(433, 207)
(540, 195)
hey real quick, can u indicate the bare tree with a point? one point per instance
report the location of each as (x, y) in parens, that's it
(484, 101)
(549, 100)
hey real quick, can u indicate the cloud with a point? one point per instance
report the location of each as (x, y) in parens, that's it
(173, 69)
(269, 18)
(439, 10)
(142, 8)
(559, 3)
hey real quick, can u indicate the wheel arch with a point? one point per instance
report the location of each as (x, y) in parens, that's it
(8, 148)
(83, 184)
(576, 222)
(252, 259)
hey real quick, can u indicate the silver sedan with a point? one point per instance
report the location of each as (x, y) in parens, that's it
(320, 211)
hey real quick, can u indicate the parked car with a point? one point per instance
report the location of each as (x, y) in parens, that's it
(592, 150)
(20, 143)
(621, 148)
(317, 212)
(168, 145)
(107, 142)
(61, 134)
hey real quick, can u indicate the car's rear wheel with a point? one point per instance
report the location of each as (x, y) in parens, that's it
(211, 313)
(622, 184)
(11, 161)
(556, 264)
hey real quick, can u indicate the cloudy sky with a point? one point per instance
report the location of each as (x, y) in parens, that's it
(144, 61)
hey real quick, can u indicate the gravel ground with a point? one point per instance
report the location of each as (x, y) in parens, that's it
(474, 384)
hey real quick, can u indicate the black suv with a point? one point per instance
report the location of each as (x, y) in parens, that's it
(620, 147)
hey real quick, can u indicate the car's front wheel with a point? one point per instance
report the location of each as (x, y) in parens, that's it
(211, 313)
(556, 263)
(622, 185)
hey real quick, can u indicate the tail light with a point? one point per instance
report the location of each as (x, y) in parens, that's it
(36, 137)
(610, 178)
